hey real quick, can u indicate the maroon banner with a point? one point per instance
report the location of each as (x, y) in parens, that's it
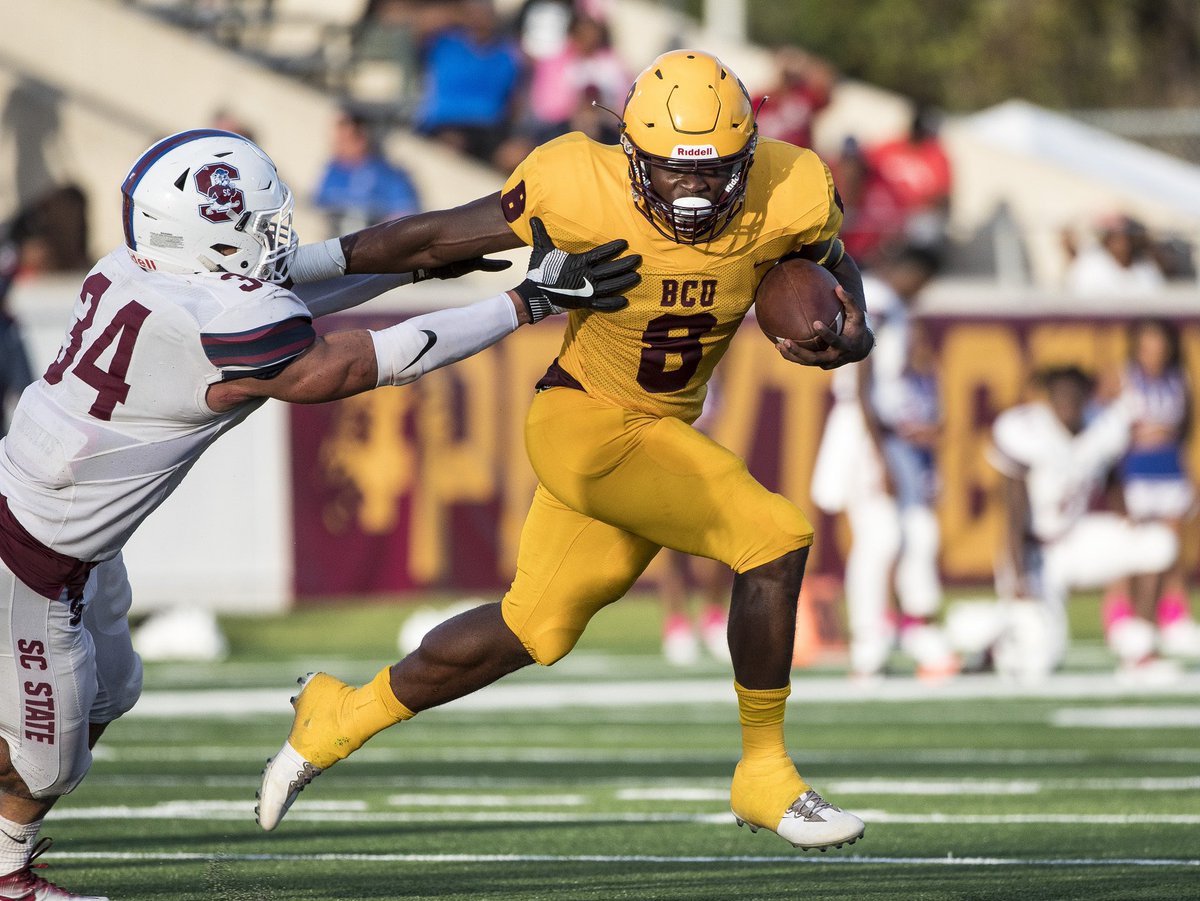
(425, 487)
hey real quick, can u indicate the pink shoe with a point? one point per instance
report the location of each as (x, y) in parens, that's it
(714, 628)
(679, 644)
(25, 885)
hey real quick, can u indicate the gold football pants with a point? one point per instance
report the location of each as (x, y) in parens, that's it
(616, 485)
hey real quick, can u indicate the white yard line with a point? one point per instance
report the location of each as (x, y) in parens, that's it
(486, 799)
(551, 695)
(1128, 717)
(567, 755)
(948, 861)
(529, 792)
(354, 812)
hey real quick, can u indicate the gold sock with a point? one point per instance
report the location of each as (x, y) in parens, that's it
(766, 782)
(333, 720)
(375, 706)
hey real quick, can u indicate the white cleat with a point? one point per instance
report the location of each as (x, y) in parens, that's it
(25, 885)
(812, 823)
(284, 777)
(1180, 639)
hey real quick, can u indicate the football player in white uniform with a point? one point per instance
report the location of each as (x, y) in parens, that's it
(876, 463)
(1052, 460)
(176, 338)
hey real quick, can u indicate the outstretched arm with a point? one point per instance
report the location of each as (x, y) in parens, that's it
(346, 363)
(430, 240)
(438, 244)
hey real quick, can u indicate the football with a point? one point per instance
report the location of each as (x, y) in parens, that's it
(793, 295)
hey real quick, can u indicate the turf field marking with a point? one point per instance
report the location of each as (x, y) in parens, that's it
(1128, 717)
(355, 812)
(681, 790)
(380, 753)
(948, 861)
(486, 800)
(674, 692)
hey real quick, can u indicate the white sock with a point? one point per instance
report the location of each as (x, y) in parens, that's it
(16, 843)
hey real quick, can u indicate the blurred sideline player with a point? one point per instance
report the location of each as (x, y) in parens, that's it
(876, 462)
(178, 336)
(1052, 459)
(621, 471)
(1155, 482)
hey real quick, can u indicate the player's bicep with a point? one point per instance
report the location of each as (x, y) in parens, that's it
(335, 366)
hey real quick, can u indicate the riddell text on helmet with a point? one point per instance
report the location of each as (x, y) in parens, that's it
(692, 151)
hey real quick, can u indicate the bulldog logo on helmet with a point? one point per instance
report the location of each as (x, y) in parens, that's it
(225, 202)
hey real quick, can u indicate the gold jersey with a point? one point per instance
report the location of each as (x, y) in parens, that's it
(657, 354)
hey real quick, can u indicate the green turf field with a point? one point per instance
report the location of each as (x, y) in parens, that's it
(607, 778)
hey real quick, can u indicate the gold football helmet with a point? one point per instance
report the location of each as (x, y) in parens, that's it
(688, 112)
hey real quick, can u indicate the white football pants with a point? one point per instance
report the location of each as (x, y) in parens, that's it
(63, 667)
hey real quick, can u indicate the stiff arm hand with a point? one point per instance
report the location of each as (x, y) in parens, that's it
(591, 280)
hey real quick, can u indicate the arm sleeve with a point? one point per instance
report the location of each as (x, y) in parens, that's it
(334, 295)
(407, 351)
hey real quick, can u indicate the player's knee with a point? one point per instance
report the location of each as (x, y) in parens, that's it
(119, 693)
(551, 645)
(784, 529)
(75, 764)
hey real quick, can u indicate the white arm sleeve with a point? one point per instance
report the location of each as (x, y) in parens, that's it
(407, 351)
(333, 295)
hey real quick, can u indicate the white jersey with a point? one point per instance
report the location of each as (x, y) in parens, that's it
(120, 417)
(1061, 470)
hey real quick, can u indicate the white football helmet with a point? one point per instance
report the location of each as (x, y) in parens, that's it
(208, 201)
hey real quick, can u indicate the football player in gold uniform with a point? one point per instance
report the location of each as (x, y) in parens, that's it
(710, 207)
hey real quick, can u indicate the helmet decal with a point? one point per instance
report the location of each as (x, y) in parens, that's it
(226, 203)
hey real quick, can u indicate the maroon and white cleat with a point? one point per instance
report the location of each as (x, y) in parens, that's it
(26, 885)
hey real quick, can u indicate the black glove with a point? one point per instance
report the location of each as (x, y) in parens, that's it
(591, 280)
(462, 267)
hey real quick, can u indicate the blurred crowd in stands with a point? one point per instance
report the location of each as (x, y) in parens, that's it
(493, 90)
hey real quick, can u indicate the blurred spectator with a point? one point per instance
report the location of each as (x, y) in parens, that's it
(390, 33)
(360, 187)
(542, 27)
(226, 120)
(1053, 455)
(917, 170)
(874, 213)
(876, 462)
(803, 88)
(15, 373)
(471, 74)
(1119, 263)
(563, 86)
(1156, 485)
(52, 232)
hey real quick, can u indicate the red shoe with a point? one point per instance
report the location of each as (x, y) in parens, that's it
(25, 885)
